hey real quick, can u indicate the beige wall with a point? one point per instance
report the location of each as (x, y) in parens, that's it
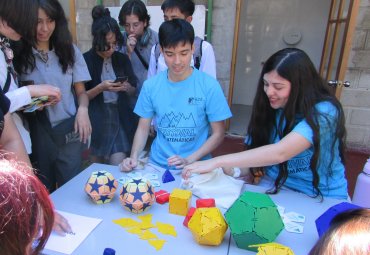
(356, 98)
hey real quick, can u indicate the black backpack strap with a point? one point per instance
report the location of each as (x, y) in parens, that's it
(197, 56)
(157, 52)
(7, 82)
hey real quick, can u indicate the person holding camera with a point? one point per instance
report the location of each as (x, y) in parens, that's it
(112, 82)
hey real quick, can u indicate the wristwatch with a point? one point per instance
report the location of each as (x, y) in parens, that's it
(236, 172)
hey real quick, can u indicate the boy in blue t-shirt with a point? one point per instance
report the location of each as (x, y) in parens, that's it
(185, 102)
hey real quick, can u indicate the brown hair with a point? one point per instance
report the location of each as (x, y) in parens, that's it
(349, 233)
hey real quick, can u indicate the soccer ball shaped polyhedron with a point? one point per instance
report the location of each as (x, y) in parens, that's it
(101, 187)
(137, 195)
(253, 219)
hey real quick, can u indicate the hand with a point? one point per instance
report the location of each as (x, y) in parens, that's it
(82, 124)
(228, 171)
(177, 161)
(128, 164)
(61, 225)
(45, 90)
(199, 167)
(131, 43)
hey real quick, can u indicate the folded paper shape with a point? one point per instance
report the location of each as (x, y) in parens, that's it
(253, 219)
(208, 226)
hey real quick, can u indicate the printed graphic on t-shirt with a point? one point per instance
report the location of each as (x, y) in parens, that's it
(299, 164)
(178, 127)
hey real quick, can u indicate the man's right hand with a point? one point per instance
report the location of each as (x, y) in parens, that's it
(128, 164)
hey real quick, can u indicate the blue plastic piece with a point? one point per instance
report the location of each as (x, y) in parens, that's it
(167, 176)
(109, 251)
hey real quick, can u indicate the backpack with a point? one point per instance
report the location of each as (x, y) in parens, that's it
(197, 56)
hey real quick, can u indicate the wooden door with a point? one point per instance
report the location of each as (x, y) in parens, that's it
(339, 32)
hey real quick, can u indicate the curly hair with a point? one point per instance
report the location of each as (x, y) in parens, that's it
(26, 212)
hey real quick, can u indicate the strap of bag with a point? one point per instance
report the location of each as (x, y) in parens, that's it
(142, 60)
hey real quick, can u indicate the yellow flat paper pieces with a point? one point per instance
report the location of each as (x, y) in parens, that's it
(127, 222)
(157, 243)
(273, 249)
(166, 229)
(146, 235)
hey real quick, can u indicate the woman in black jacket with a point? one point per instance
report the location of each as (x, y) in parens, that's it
(112, 81)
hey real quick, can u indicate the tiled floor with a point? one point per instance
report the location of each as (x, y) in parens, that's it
(355, 161)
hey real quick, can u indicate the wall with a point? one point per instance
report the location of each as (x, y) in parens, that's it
(356, 98)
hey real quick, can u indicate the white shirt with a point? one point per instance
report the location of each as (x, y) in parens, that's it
(207, 63)
(18, 97)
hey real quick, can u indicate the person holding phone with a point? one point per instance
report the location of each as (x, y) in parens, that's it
(113, 81)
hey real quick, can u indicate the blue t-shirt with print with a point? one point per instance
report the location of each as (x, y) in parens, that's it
(332, 183)
(183, 111)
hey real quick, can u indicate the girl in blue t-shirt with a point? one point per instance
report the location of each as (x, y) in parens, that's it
(296, 132)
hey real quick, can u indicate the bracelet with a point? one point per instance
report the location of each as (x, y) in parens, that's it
(236, 172)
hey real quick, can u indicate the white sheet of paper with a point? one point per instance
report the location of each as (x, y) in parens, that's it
(81, 226)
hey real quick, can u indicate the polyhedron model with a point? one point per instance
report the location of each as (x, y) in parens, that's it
(137, 195)
(101, 187)
(180, 201)
(253, 219)
(208, 226)
(323, 222)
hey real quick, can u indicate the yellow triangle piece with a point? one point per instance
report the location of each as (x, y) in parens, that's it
(135, 230)
(273, 249)
(126, 222)
(146, 218)
(166, 229)
(157, 243)
(146, 235)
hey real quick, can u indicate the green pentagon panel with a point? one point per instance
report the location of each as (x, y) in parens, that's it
(239, 216)
(269, 223)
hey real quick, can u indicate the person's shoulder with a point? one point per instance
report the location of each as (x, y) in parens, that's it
(205, 77)
(327, 108)
(159, 78)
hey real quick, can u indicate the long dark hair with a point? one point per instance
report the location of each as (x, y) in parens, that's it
(60, 40)
(21, 16)
(103, 23)
(307, 89)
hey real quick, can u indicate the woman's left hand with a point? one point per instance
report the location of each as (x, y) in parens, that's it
(82, 124)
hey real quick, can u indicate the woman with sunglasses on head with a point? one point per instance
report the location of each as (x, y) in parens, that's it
(112, 82)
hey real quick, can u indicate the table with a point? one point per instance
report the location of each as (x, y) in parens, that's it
(72, 198)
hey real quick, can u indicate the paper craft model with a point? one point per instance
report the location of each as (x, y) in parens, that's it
(188, 216)
(253, 219)
(180, 201)
(323, 222)
(162, 196)
(208, 226)
(101, 187)
(273, 249)
(137, 195)
(167, 176)
(205, 202)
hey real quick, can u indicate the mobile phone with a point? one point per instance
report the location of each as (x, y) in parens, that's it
(121, 79)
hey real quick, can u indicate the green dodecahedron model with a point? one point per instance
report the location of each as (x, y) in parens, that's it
(253, 219)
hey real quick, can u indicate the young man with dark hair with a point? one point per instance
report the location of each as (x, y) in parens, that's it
(203, 56)
(187, 103)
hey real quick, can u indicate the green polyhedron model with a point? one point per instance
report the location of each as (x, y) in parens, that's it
(253, 219)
